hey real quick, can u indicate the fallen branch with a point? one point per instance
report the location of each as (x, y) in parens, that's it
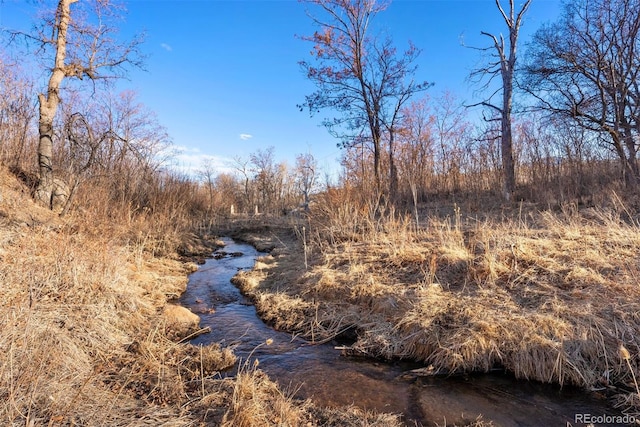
(197, 333)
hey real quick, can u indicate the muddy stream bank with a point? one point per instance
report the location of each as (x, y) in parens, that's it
(322, 374)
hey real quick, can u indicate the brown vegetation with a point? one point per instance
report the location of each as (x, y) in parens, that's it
(82, 338)
(546, 287)
(87, 338)
(549, 296)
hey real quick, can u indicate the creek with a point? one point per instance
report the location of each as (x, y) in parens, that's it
(322, 374)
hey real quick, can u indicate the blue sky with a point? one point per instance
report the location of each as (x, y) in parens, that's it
(223, 75)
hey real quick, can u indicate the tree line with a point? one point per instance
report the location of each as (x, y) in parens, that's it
(111, 146)
(101, 149)
(560, 119)
(562, 115)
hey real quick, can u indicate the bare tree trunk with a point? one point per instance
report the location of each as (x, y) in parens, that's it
(45, 153)
(393, 170)
(49, 106)
(631, 164)
(376, 160)
(506, 141)
(505, 57)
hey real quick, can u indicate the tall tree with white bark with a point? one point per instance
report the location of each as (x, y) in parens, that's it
(79, 40)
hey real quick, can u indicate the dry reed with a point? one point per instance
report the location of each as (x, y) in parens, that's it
(546, 295)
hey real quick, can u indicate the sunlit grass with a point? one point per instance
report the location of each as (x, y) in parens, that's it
(87, 336)
(549, 296)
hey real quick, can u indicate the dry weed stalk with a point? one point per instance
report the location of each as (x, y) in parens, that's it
(626, 356)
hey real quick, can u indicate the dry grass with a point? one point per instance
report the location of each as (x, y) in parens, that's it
(83, 335)
(354, 416)
(79, 326)
(479, 422)
(258, 401)
(548, 296)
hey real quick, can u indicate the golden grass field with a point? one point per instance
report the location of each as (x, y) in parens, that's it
(86, 338)
(552, 296)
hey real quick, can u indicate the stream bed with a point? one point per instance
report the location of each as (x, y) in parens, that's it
(322, 374)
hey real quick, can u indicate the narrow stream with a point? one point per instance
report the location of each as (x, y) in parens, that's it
(320, 373)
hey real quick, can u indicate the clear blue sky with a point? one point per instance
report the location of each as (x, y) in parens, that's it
(223, 75)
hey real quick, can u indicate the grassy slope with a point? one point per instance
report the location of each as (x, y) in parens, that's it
(81, 337)
(553, 297)
(83, 340)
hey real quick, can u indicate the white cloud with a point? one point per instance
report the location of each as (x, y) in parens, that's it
(191, 161)
(166, 47)
(245, 136)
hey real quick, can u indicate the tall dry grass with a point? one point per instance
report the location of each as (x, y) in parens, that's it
(83, 340)
(82, 337)
(80, 330)
(548, 295)
(258, 401)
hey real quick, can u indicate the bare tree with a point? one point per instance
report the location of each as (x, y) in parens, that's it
(135, 134)
(83, 145)
(452, 133)
(416, 147)
(16, 112)
(79, 40)
(503, 64)
(267, 177)
(586, 68)
(242, 165)
(207, 174)
(108, 135)
(306, 176)
(229, 190)
(360, 76)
